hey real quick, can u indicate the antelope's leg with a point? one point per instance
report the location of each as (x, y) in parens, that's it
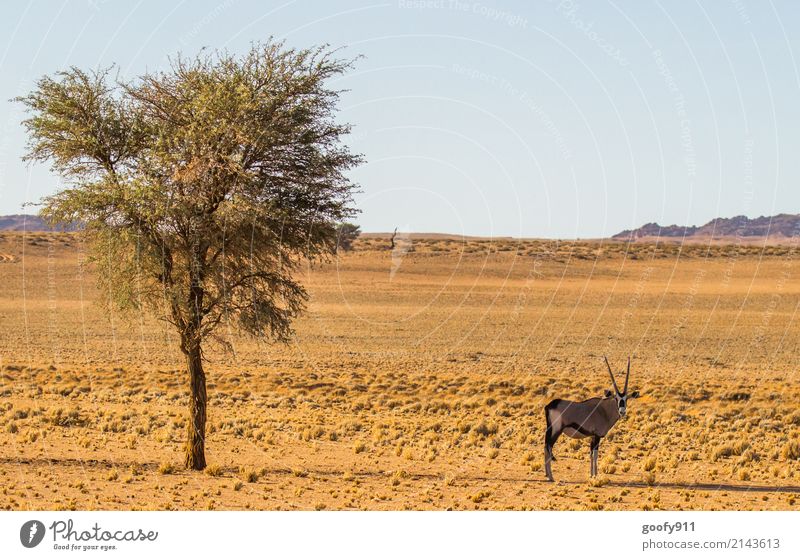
(548, 455)
(547, 469)
(550, 437)
(594, 452)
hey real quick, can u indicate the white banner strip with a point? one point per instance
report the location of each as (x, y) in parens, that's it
(400, 535)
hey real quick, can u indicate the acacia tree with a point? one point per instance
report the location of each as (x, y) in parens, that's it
(201, 188)
(346, 234)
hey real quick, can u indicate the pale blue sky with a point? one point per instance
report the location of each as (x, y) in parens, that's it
(544, 118)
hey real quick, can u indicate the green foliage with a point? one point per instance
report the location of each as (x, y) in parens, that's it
(346, 234)
(204, 187)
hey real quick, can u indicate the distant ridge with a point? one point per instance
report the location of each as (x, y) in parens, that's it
(28, 222)
(779, 227)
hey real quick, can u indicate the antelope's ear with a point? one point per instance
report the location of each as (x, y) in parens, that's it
(608, 394)
(634, 395)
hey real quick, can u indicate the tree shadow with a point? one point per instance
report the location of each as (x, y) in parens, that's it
(67, 462)
(710, 486)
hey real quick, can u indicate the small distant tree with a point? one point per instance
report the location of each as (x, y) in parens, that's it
(202, 188)
(346, 234)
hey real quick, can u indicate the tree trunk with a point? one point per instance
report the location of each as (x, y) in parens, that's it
(196, 436)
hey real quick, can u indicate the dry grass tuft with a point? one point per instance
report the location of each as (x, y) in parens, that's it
(791, 451)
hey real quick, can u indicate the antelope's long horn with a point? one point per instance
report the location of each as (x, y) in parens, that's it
(627, 375)
(614, 381)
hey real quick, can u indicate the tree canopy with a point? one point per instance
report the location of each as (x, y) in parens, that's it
(346, 235)
(202, 187)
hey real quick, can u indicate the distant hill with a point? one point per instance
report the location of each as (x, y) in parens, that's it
(773, 228)
(28, 222)
(776, 229)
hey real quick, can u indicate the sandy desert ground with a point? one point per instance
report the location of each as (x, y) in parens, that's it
(416, 381)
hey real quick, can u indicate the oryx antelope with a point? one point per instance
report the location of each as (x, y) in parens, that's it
(592, 418)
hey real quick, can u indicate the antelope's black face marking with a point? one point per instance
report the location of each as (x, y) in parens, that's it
(622, 404)
(622, 401)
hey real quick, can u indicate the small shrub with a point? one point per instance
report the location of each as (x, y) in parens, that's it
(607, 466)
(480, 496)
(528, 457)
(744, 474)
(791, 451)
(484, 429)
(248, 475)
(598, 481)
(729, 449)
